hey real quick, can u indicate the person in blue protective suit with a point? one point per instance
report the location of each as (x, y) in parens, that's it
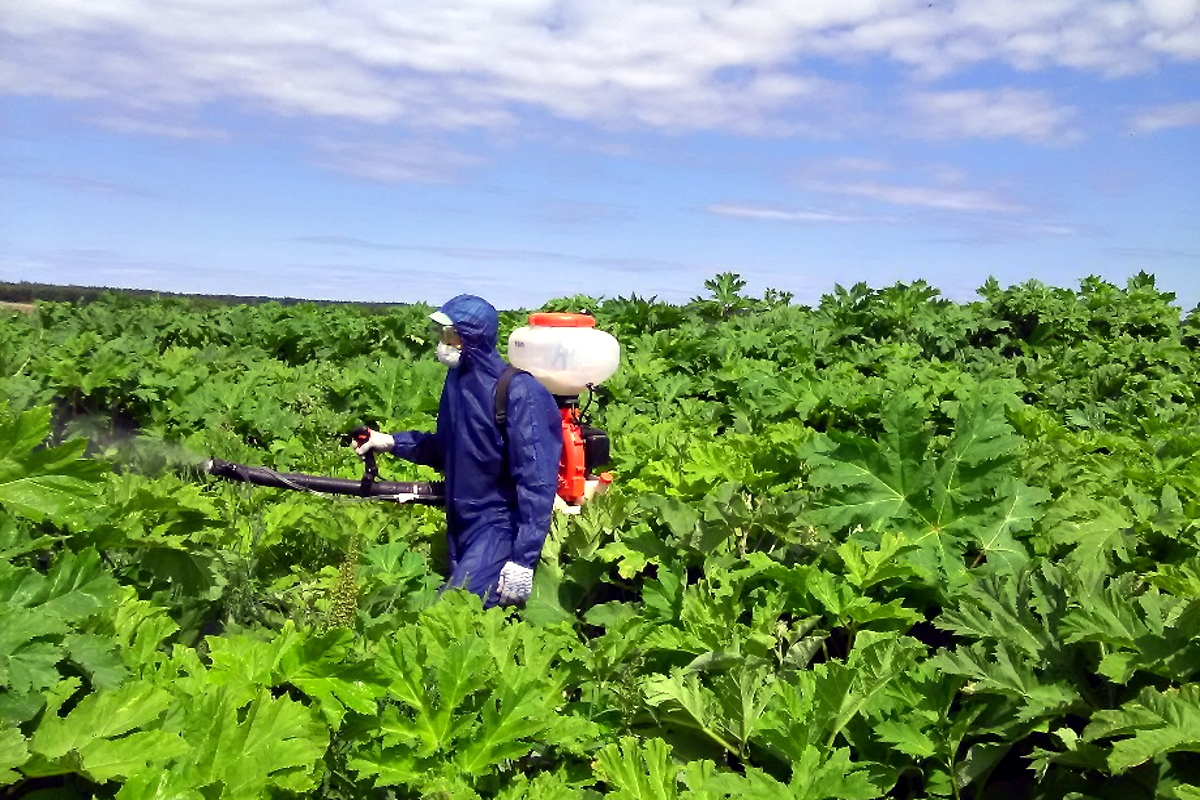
(499, 498)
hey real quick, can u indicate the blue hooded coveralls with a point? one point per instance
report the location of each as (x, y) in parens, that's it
(495, 512)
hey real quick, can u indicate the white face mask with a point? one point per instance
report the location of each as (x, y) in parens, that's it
(448, 354)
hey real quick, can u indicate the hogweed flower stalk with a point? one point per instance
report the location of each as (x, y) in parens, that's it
(343, 608)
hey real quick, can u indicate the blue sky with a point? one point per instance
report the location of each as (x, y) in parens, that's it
(531, 149)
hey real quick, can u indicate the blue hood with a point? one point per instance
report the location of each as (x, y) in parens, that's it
(478, 324)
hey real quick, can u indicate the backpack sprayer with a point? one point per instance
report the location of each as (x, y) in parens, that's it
(567, 354)
(564, 352)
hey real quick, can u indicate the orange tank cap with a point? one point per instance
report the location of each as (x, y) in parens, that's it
(559, 319)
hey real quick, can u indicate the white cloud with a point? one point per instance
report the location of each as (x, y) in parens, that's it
(940, 213)
(992, 114)
(852, 164)
(927, 197)
(738, 66)
(1105, 36)
(1155, 253)
(1177, 115)
(411, 162)
(147, 127)
(934, 197)
(570, 212)
(803, 216)
(77, 184)
(1172, 13)
(506, 255)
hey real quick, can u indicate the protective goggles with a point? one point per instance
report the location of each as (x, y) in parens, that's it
(446, 334)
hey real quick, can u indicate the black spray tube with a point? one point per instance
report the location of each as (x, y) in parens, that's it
(432, 493)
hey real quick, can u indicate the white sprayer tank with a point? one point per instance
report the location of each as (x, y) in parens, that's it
(564, 352)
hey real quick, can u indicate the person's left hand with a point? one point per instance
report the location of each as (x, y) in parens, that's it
(382, 442)
(516, 582)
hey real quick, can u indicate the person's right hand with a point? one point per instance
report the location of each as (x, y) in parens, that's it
(516, 584)
(383, 442)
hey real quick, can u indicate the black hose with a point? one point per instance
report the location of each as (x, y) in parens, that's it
(430, 493)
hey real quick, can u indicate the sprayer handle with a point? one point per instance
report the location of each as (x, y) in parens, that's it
(358, 437)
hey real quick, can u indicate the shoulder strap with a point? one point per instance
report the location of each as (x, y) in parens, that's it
(502, 399)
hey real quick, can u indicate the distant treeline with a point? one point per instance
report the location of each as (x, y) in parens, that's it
(25, 292)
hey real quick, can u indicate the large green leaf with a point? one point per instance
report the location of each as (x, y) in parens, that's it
(27, 664)
(1017, 509)
(158, 785)
(644, 770)
(468, 691)
(1001, 671)
(54, 483)
(97, 656)
(15, 541)
(983, 441)
(100, 735)
(14, 751)
(817, 775)
(873, 482)
(323, 666)
(728, 709)
(1140, 629)
(1026, 612)
(543, 786)
(247, 747)
(638, 770)
(38, 610)
(1153, 724)
(1099, 533)
(948, 503)
(1021, 652)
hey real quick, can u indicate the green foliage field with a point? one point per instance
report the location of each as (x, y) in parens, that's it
(891, 546)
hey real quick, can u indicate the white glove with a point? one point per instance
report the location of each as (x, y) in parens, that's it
(516, 582)
(382, 442)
